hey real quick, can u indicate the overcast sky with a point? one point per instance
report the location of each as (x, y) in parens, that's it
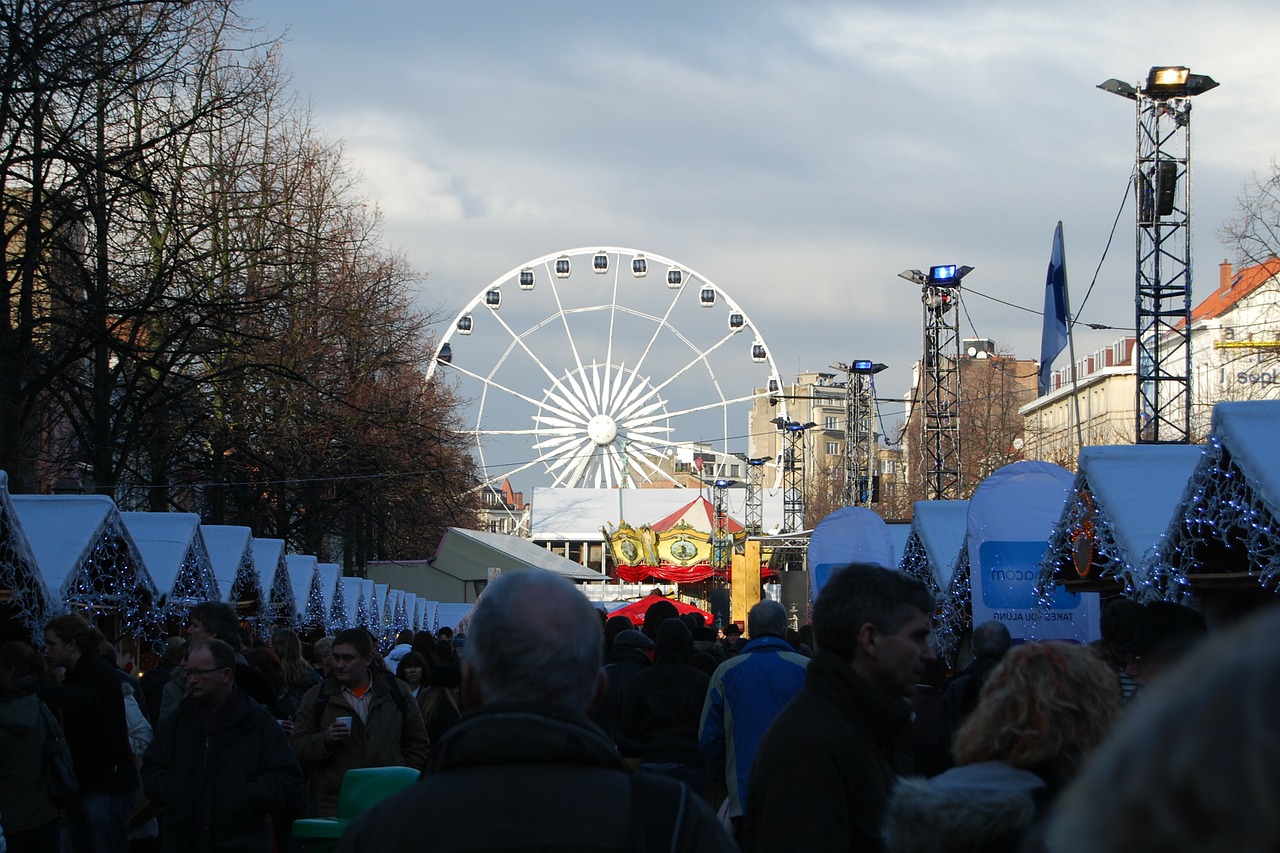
(798, 154)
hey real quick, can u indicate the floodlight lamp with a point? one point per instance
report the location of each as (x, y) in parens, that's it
(1176, 81)
(1119, 87)
(722, 484)
(913, 276)
(947, 275)
(861, 365)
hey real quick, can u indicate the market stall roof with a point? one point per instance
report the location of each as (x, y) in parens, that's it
(1123, 501)
(175, 554)
(304, 578)
(899, 533)
(1227, 535)
(349, 606)
(330, 576)
(469, 554)
(86, 555)
(937, 536)
(273, 574)
(25, 593)
(231, 550)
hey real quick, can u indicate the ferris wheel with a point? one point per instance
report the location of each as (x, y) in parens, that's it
(607, 367)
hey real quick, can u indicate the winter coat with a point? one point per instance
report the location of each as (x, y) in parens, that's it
(824, 771)
(24, 783)
(557, 782)
(976, 808)
(661, 712)
(217, 790)
(628, 662)
(386, 738)
(746, 693)
(91, 702)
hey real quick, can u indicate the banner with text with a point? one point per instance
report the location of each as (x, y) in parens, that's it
(1011, 516)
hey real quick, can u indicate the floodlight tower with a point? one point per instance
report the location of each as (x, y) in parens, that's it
(721, 539)
(753, 515)
(1162, 301)
(793, 464)
(940, 378)
(860, 433)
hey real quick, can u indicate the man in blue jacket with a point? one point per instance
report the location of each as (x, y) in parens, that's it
(746, 693)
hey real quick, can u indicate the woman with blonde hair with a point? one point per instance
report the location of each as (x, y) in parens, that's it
(299, 676)
(1041, 712)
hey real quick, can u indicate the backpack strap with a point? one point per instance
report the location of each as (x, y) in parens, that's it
(658, 807)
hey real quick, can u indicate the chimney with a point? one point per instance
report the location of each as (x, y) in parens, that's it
(1224, 276)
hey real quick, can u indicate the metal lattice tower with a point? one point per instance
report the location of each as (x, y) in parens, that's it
(753, 515)
(941, 421)
(792, 473)
(939, 396)
(860, 435)
(721, 540)
(1162, 299)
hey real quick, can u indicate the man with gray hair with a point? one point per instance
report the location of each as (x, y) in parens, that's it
(531, 673)
(746, 693)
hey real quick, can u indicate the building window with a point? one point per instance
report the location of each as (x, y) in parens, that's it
(833, 448)
(832, 422)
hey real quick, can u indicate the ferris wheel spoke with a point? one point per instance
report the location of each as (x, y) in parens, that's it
(542, 459)
(518, 340)
(628, 415)
(662, 324)
(558, 441)
(546, 422)
(564, 319)
(489, 383)
(596, 388)
(691, 410)
(575, 464)
(631, 392)
(645, 461)
(613, 314)
(701, 358)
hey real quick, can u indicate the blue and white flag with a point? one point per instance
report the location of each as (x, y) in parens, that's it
(1054, 336)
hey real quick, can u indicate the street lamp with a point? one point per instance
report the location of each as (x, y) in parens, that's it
(1162, 189)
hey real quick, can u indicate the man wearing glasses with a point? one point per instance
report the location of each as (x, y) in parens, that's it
(220, 763)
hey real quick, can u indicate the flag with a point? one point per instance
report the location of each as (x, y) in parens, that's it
(1054, 336)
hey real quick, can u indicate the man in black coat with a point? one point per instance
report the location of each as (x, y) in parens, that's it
(828, 762)
(525, 769)
(90, 700)
(220, 763)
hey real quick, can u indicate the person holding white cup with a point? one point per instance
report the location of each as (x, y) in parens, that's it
(325, 737)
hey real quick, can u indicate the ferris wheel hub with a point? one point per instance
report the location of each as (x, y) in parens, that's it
(602, 429)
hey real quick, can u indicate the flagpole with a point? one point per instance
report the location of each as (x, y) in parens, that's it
(1071, 346)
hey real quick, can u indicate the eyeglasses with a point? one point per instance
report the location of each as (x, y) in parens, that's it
(206, 671)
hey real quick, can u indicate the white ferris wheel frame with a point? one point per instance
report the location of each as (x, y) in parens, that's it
(584, 409)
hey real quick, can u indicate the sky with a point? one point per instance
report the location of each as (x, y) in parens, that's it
(799, 154)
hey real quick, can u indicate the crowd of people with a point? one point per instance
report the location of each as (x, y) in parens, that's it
(548, 727)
